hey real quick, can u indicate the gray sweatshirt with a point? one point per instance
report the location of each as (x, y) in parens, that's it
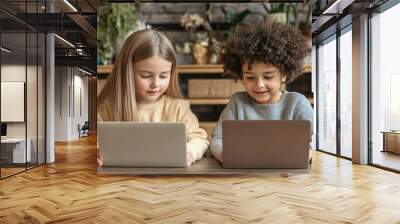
(291, 106)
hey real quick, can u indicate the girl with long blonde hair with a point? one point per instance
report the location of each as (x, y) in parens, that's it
(143, 87)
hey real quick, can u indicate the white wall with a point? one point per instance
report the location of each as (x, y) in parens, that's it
(61, 103)
(82, 82)
(71, 94)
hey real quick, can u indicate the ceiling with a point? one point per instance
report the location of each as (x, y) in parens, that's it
(76, 24)
(330, 16)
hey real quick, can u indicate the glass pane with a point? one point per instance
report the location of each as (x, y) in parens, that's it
(385, 84)
(346, 94)
(13, 86)
(327, 96)
(31, 98)
(23, 57)
(17, 9)
(31, 83)
(41, 98)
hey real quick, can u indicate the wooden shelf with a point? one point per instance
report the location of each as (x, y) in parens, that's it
(208, 101)
(104, 69)
(199, 69)
(195, 69)
(192, 69)
(221, 101)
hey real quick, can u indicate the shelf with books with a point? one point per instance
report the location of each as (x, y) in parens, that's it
(214, 72)
(104, 69)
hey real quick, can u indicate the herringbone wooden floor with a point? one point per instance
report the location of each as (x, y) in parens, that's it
(70, 191)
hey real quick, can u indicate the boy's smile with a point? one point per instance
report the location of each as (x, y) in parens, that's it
(260, 92)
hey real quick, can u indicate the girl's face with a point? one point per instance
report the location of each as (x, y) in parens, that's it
(152, 76)
(263, 82)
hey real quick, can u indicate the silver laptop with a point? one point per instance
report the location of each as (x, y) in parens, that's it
(142, 144)
(266, 144)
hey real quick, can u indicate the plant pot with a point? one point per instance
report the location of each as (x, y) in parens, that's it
(199, 54)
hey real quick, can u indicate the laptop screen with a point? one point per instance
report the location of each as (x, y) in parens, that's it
(3, 129)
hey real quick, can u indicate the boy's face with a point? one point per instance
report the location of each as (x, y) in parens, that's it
(152, 76)
(263, 82)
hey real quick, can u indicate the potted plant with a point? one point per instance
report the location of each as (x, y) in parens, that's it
(305, 25)
(198, 46)
(232, 18)
(305, 28)
(114, 23)
(276, 12)
(292, 15)
(203, 47)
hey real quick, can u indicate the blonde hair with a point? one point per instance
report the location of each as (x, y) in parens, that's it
(117, 100)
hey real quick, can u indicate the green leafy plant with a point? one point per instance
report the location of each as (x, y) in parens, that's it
(289, 10)
(114, 22)
(233, 18)
(305, 25)
(274, 8)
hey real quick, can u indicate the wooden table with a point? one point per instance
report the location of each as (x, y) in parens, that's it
(206, 166)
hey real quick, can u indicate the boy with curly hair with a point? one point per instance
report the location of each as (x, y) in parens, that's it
(265, 57)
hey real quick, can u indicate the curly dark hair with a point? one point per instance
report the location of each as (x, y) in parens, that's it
(270, 43)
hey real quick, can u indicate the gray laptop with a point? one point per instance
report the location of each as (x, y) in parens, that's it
(266, 144)
(142, 144)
